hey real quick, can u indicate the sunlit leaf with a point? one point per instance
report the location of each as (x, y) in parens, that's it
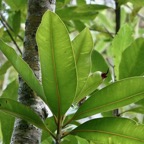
(83, 46)
(111, 131)
(121, 41)
(132, 60)
(19, 110)
(116, 95)
(57, 63)
(22, 68)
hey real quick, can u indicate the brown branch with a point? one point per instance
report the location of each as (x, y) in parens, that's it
(117, 18)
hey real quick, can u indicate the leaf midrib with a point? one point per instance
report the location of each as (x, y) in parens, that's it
(111, 133)
(115, 102)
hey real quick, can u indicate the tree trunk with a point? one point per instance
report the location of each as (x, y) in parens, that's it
(25, 133)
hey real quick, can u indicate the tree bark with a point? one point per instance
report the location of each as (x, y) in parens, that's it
(24, 132)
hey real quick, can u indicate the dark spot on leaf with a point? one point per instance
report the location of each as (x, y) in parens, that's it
(104, 75)
(6, 101)
(0, 104)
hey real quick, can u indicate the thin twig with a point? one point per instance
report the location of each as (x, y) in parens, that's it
(11, 37)
(3, 19)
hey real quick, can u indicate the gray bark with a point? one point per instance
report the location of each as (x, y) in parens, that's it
(24, 132)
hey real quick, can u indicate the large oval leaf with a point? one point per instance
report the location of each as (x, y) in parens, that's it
(19, 110)
(111, 131)
(116, 95)
(22, 68)
(132, 60)
(57, 63)
(83, 46)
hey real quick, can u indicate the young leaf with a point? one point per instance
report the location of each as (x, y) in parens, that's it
(111, 131)
(83, 46)
(19, 110)
(22, 68)
(116, 95)
(132, 60)
(58, 67)
(99, 64)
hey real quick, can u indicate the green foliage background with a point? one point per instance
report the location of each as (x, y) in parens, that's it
(85, 54)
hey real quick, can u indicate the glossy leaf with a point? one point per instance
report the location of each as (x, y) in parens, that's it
(116, 95)
(132, 60)
(121, 41)
(19, 110)
(22, 68)
(83, 46)
(111, 130)
(57, 63)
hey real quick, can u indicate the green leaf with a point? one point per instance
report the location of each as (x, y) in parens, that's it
(93, 81)
(138, 109)
(136, 3)
(132, 60)
(57, 63)
(11, 91)
(81, 2)
(21, 111)
(4, 67)
(82, 140)
(83, 45)
(80, 12)
(22, 68)
(111, 131)
(16, 4)
(70, 139)
(79, 25)
(5, 119)
(99, 64)
(121, 41)
(116, 95)
(16, 21)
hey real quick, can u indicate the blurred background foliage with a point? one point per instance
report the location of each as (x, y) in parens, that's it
(99, 17)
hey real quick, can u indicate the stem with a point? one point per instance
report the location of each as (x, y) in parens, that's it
(3, 19)
(11, 36)
(117, 18)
